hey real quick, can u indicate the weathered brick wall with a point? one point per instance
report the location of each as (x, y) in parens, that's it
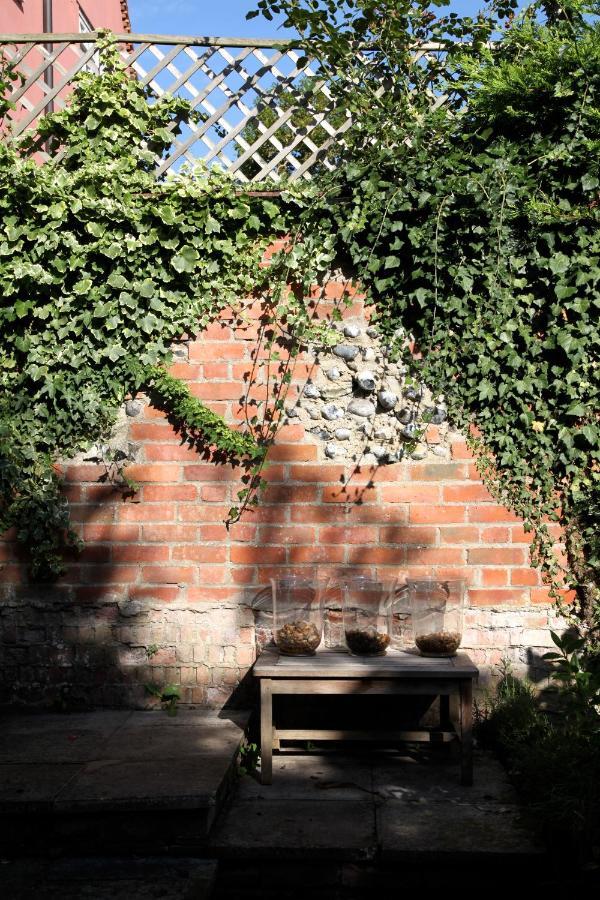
(163, 591)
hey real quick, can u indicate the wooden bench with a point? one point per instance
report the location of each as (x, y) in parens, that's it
(398, 672)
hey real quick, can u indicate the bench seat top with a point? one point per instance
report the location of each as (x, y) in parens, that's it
(341, 664)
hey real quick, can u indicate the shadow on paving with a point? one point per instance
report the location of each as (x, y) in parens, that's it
(381, 805)
(104, 782)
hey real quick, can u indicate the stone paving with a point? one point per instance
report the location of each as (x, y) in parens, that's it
(384, 805)
(90, 781)
(94, 799)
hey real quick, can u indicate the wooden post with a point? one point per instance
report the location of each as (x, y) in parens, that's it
(266, 731)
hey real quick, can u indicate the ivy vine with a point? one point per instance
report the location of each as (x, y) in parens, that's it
(473, 226)
(101, 268)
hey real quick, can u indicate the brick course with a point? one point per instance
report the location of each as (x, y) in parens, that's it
(160, 568)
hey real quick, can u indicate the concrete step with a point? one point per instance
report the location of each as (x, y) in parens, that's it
(108, 879)
(107, 781)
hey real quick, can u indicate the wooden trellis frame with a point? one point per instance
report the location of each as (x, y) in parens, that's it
(229, 81)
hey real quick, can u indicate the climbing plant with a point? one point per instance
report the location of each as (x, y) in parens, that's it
(101, 268)
(473, 225)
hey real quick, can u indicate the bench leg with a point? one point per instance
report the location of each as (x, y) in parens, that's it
(466, 732)
(266, 731)
(445, 719)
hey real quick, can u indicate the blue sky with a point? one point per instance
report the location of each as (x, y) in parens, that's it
(223, 18)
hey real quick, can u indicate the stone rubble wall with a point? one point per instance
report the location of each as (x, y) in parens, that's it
(164, 592)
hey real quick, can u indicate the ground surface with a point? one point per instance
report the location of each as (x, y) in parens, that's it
(120, 805)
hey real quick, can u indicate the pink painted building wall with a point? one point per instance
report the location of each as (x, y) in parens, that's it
(26, 16)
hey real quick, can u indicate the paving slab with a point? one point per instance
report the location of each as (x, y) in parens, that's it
(105, 721)
(53, 744)
(323, 778)
(164, 742)
(411, 780)
(177, 783)
(433, 829)
(296, 828)
(33, 785)
(96, 778)
(108, 879)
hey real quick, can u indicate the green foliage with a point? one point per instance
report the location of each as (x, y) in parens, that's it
(473, 227)
(509, 716)
(578, 673)
(553, 759)
(101, 267)
(199, 424)
(249, 758)
(168, 694)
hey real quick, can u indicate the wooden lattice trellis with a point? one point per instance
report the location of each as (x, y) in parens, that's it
(253, 123)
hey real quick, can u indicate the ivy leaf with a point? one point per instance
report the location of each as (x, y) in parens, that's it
(559, 263)
(212, 225)
(116, 280)
(185, 260)
(589, 182)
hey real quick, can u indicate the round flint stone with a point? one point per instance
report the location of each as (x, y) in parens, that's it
(342, 434)
(334, 373)
(292, 412)
(351, 331)
(334, 450)
(387, 400)
(366, 380)
(331, 412)
(409, 431)
(378, 452)
(437, 415)
(346, 351)
(133, 408)
(372, 331)
(311, 391)
(405, 416)
(320, 433)
(363, 408)
(413, 393)
(420, 452)
(368, 354)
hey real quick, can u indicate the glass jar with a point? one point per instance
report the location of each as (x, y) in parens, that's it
(298, 614)
(437, 615)
(366, 612)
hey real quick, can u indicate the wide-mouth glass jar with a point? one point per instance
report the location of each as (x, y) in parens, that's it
(298, 614)
(366, 611)
(437, 615)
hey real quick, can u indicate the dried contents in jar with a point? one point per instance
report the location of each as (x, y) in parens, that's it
(300, 638)
(367, 641)
(439, 643)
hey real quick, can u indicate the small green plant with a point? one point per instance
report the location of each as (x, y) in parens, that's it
(578, 677)
(248, 759)
(169, 695)
(508, 716)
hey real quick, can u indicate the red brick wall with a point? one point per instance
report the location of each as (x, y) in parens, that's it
(162, 569)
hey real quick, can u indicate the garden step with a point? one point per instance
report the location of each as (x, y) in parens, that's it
(101, 782)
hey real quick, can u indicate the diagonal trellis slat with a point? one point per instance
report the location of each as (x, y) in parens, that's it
(253, 117)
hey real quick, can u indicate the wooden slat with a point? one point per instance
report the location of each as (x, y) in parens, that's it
(345, 734)
(73, 37)
(357, 687)
(22, 124)
(336, 664)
